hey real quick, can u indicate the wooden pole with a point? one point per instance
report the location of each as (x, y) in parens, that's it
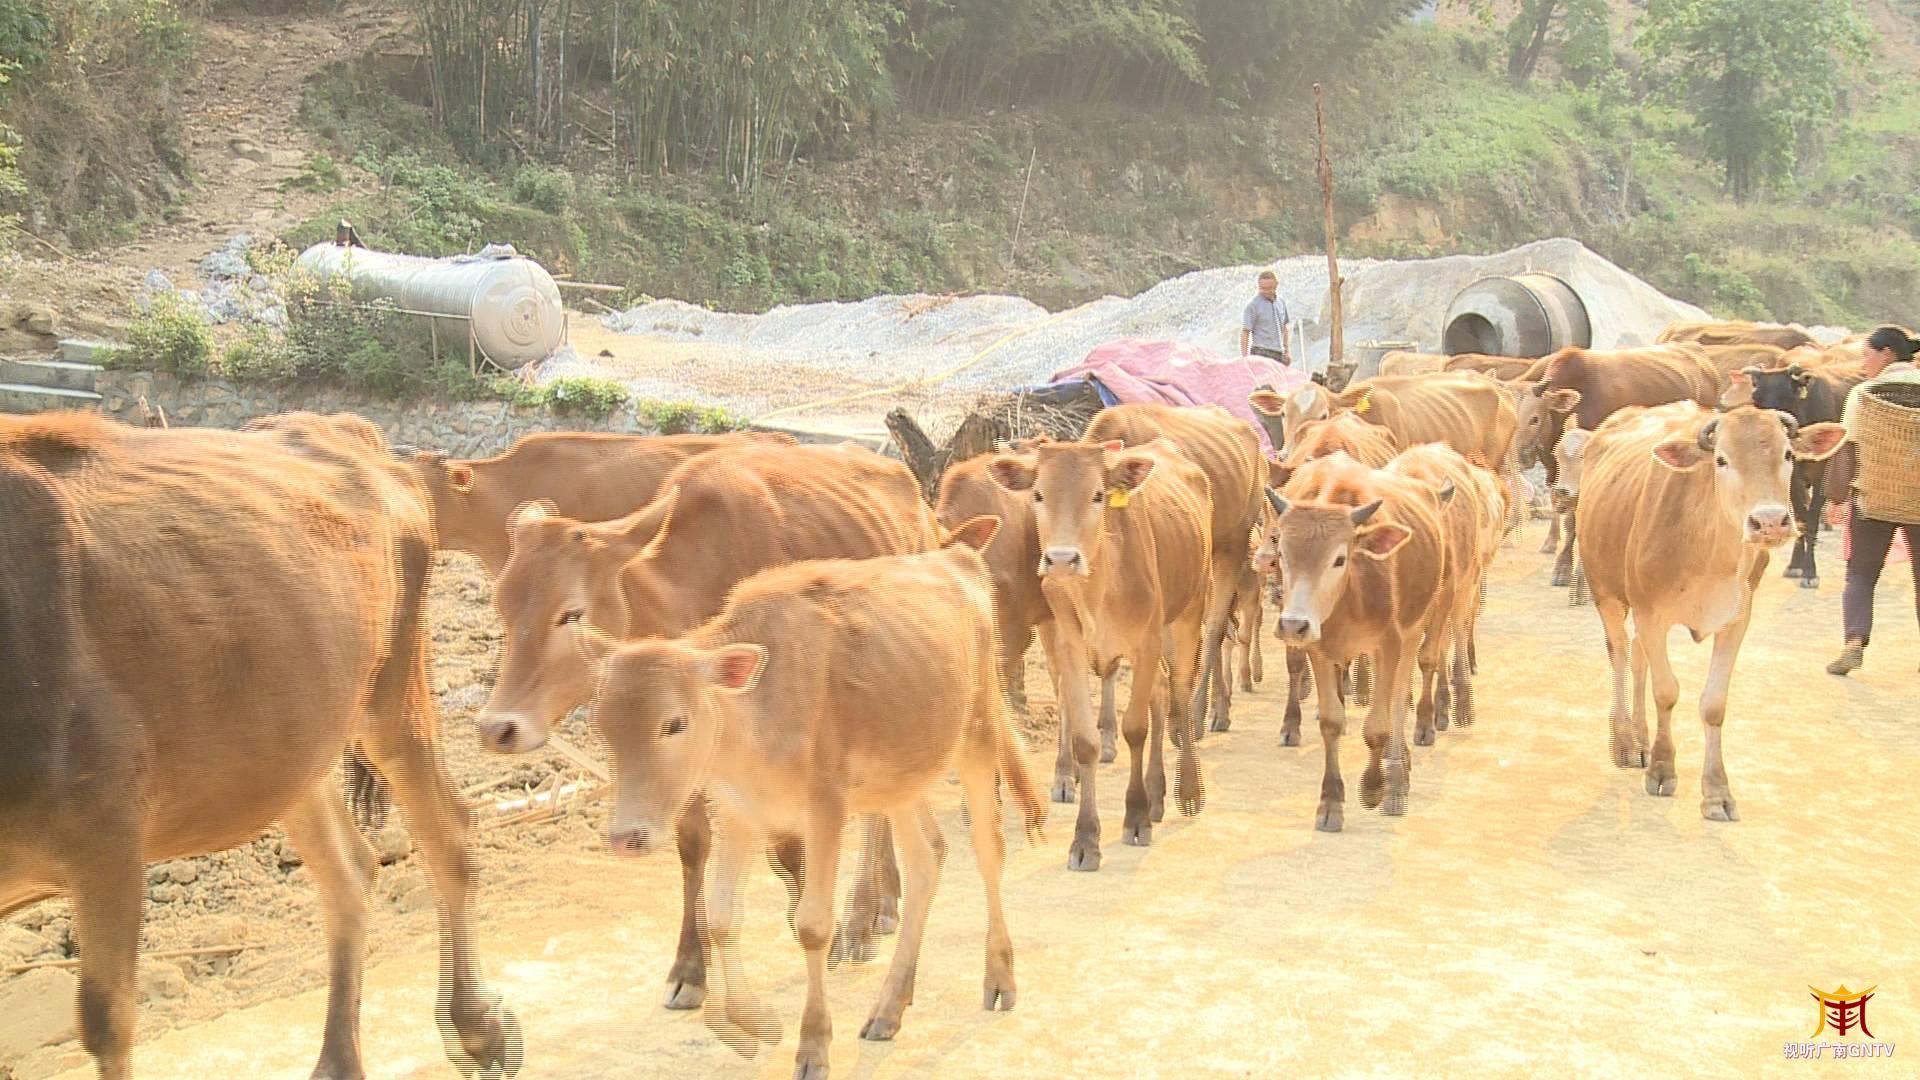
(1336, 343)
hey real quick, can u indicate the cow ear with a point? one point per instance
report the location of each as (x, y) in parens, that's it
(1446, 492)
(735, 669)
(1130, 472)
(1562, 400)
(460, 478)
(1113, 446)
(1382, 540)
(1818, 442)
(1267, 402)
(532, 510)
(1012, 473)
(975, 532)
(1274, 458)
(594, 645)
(1680, 454)
(644, 531)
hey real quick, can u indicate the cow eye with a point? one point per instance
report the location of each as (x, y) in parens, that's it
(1789, 453)
(1339, 561)
(1720, 460)
(1038, 498)
(571, 615)
(1532, 421)
(1096, 498)
(674, 726)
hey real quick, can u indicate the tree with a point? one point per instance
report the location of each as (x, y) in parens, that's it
(1755, 73)
(1575, 31)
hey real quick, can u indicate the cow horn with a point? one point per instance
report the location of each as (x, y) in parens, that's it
(1279, 504)
(1792, 423)
(1707, 433)
(1794, 371)
(1361, 514)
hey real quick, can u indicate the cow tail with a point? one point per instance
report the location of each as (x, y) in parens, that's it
(1032, 801)
(368, 794)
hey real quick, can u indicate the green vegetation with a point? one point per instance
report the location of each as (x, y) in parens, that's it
(681, 418)
(170, 336)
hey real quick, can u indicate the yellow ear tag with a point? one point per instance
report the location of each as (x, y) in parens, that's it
(1364, 404)
(1117, 498)
(1805, 388)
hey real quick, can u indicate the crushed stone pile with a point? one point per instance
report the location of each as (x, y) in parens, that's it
(841, 366)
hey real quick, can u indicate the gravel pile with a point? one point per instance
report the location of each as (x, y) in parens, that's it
(932, 355)
(234, 293)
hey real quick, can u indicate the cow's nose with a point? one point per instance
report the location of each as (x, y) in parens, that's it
(508, 733)
(1063, 560)
(1769, 522)
(1294, 627)
(631, 840)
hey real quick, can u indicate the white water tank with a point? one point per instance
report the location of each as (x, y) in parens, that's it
(508, 301)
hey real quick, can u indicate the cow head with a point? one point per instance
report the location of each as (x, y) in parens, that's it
(661, 707)
(1739, 389)
(1751, 454)
(1316, 544)
(1281, 415)
(1781, 388)
(1541, 412)
(1569, 454)
(1073, 486)
(558, 573)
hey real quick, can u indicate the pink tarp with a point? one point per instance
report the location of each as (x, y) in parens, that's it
(1175, 373)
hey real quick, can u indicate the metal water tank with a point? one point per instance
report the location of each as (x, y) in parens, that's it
(1531, 314)
(508, 301)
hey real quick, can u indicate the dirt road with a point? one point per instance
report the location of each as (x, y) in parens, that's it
(1535, 913)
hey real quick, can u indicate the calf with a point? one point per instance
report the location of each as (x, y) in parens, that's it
(1735, 333)
(667, 568)
(1121, 564)
(1362, 552)
(822, 690)
(1406, 362)
(1811, 396)
(1680, 509)
(1282, 415)
(195, 625)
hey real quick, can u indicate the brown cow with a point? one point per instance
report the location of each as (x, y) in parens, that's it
(1727, 360)
(1122, 562)
(1735, 333)
(1406, 362)
(667, 568)
(589, 476)
(195, 624)
(1680, 509)
(1364, 554)
(1473, 518)
(1227, 449)
(1590, 386)
(1468, 412)
(822, 690)
(1283, 414)
(1501, 368)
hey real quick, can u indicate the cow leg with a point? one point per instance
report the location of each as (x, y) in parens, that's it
(1389, 701)
(1810, 524)
(871, 908)
(1399, 758)
(1333, 790)
(1563, 566)
(107, 883)
(1462, 696)
(1137, 828)
(1077, 736)
(1297, 687)
(1109, 725)
(736, 1016)
(343, 865)
(1621, 652)
(1069, 687)
(687, 978)
(1252, 653)
(1014, 644)
(1213, 683)
(813, 923)
(1716, 797)
(1362, 672)
(1661, 778)
(923, 850)
(1183, 669)
(978, 765)
(1552, 543)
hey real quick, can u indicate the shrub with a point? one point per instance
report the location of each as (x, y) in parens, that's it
(172, 335)
(681, 418)
(543, 188)
(592, 397)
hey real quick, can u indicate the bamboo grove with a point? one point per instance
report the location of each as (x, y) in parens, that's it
(735, 87)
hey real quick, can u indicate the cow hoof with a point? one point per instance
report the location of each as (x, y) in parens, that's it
(1373, 784)
(1661, 780)
(1810, 583)
(1290, 736)
(1062, 790)
(1084, 857)
(1108, 749)
(1794, 572)
(809, 1071)
(1139, 834)
(851, 947)
(1222, 723)
(996, 998)
(1331, 818)
(504, 1054)
(1423, 736)
(1628, 756)
(880, 1028)
(1562, 578)
(684, 995)
(1719, 808)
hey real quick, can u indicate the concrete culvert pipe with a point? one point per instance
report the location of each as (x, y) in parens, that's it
(509, 302)
(1532, 314)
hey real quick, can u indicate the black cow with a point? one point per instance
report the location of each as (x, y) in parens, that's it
(1810, 396)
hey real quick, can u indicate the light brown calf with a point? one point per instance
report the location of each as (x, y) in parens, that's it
(587, 476)
(822, 690)
(1282, 414)
(1679, 511)
(1227, 449)
(1362, 553)
(1735, 333)
(195, 624)
(1123, 557)
(665, 569)
(1406, 362)
(1501, 368)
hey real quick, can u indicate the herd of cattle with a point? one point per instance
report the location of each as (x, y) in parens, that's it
(780, 639)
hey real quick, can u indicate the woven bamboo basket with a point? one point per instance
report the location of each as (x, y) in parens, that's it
(1887, 431)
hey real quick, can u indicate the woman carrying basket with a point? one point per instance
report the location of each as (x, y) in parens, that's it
(1889, 359)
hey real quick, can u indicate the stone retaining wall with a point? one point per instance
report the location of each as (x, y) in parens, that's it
(461, 428)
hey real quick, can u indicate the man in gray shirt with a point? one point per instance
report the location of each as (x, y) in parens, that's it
(1263, 327)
